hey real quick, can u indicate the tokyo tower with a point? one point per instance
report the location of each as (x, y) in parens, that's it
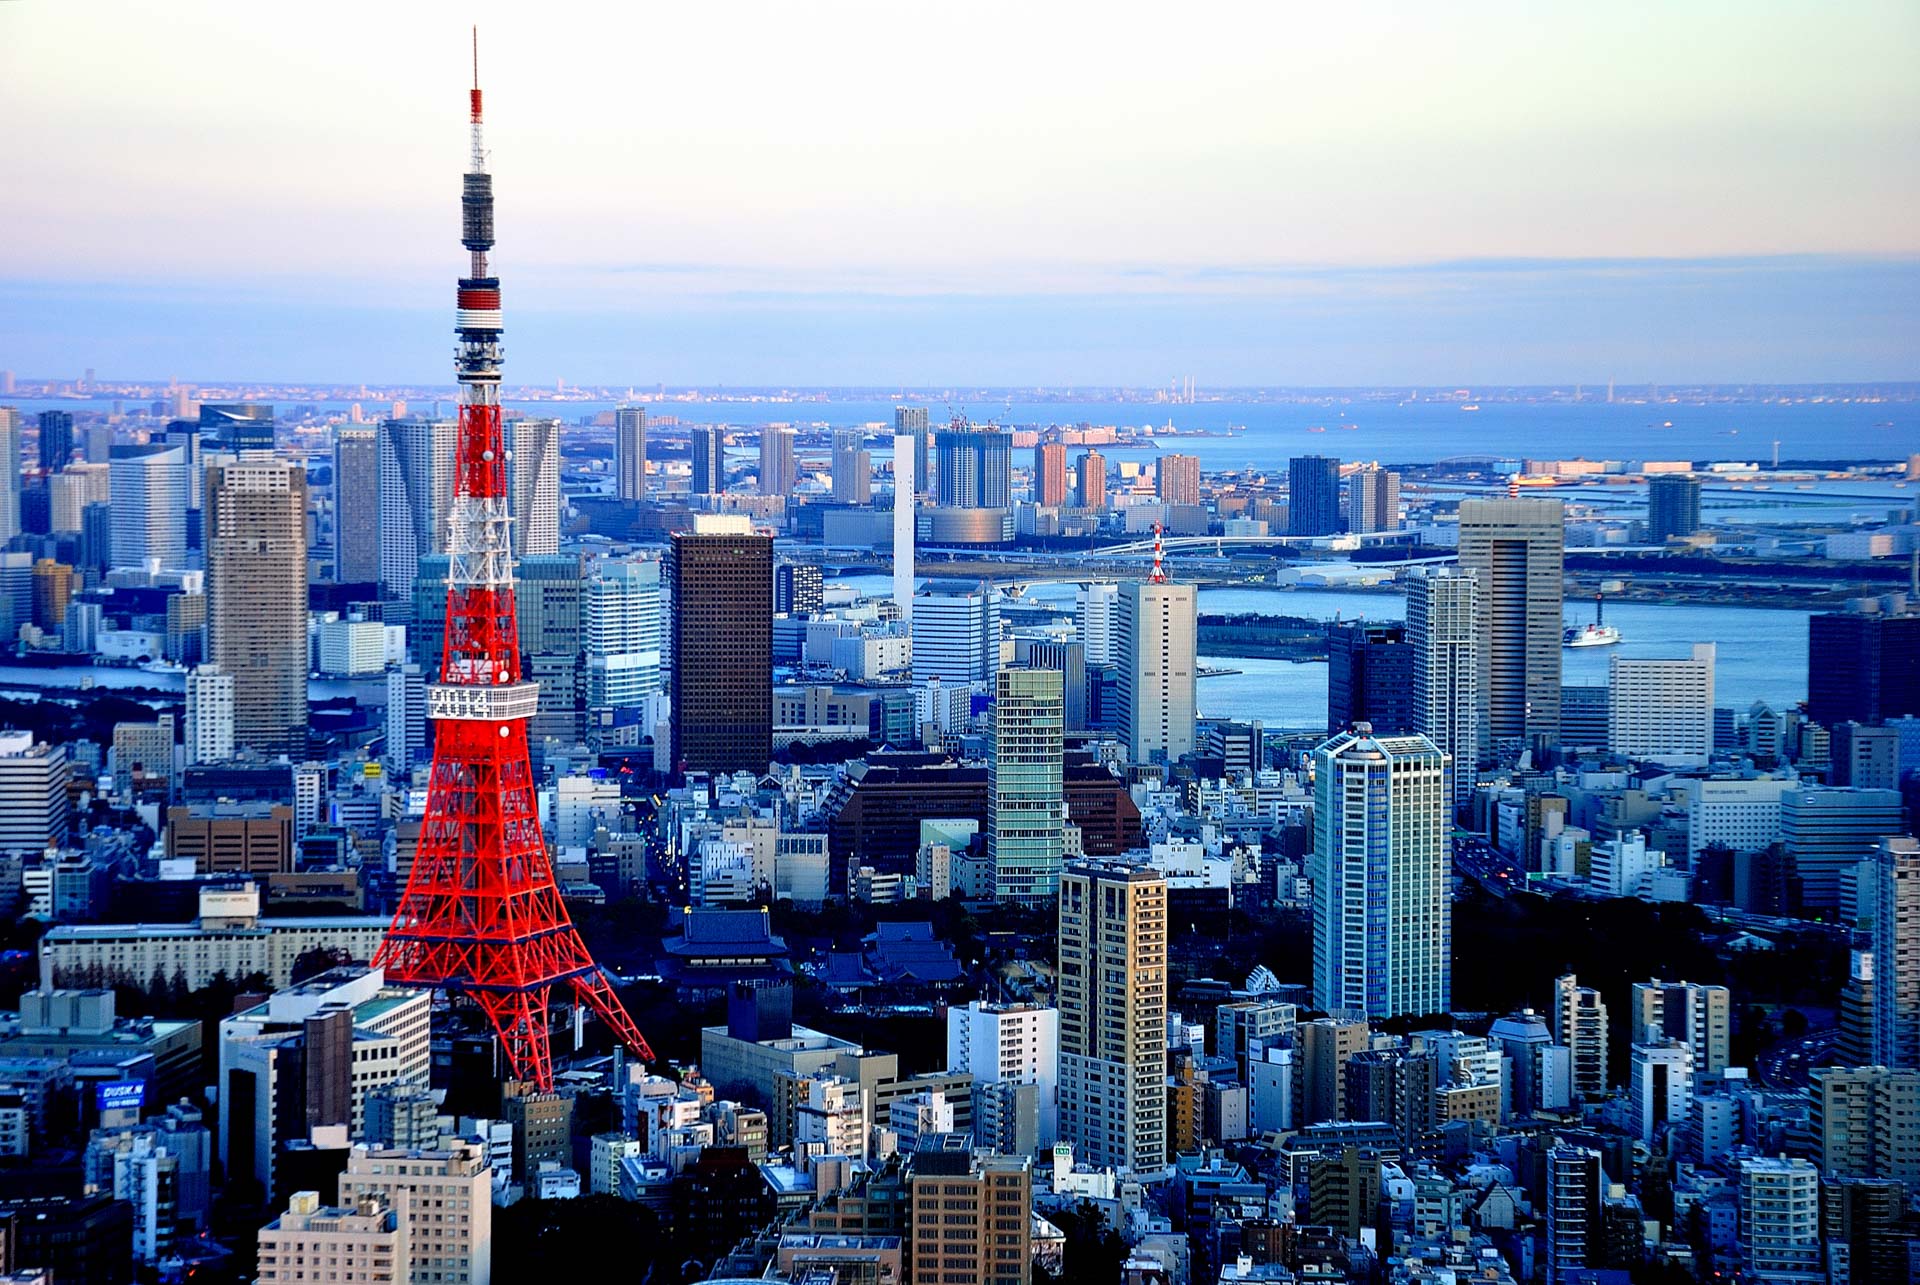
(481, 915)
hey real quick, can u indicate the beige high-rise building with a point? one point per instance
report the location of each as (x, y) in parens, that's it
(1443, 626)
(448, 1199)
(1154, 633)
(1326, 1043)
(1373, 500)
(1698, 1015)
(1113, 1016)
(1580, 1024)
(256, 525)
(971, 1214)
(1865, 1122)
(1516, 550)
(364, 1243)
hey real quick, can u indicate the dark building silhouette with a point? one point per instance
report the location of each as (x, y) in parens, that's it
(722, 688)
(1673, 508)
(1370, 679)
(56, 439)
(77, 1238)
(1313, 495)
(797, 589)
(716, 1201)
(1862, 667)
(709, 451)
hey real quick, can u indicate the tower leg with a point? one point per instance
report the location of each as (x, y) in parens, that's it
(592, 989)
(520, 1017)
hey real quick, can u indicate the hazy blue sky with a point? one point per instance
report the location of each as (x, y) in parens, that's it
(1002, 192)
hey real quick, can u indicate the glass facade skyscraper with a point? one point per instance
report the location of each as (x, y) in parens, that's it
(1025, 795)
(1381, 866)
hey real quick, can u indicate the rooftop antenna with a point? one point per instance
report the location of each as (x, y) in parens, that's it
(1513, 486)
(1159, 573)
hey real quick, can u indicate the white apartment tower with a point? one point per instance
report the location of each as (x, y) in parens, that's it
(1095, 608)
(1662, 710)
(415, 471)
(1113, 1016)
(209, 715)
(149, 492)
(533, 485)
(1443, 626)
(1154, 632)
(1381, 865)
(1010, 1044)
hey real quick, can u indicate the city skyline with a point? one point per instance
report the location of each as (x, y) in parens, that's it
(1613, 199)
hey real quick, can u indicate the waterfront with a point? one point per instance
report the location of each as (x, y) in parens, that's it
(1762, 651)
(1352, 424)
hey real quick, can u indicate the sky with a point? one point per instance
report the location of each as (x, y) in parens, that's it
(916, 195)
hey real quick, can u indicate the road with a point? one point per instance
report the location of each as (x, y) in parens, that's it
(1785, 1065)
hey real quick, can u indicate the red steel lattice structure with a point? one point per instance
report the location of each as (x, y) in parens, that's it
(481, 915)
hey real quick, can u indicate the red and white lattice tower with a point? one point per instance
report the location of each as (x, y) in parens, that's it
(1159, 573)
(481, 916)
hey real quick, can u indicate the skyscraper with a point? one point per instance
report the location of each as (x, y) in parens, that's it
(1673, 508)
(1662, 710)
(356, 505)
(149, 489)
(721, 576)
(1862, 667)
(1828, 831)
(707, 446)
(1154, 632)
(1313, 495)
(1373, 500)
(630, 452)
(956, 632)
(1050, 474)
(904, 532)
(1095, 609)
(1896, 953)
(533, 485)
(1025, 796)
(1177, 479)
(10, 466)
(852, 469)
(620, 633)
(56, 440)
(1091, 481)
(1443, 630)
(778, 471)
(415, 468)
(257, 598)
(1113, 1016)
(911, 421)
(1515, 550)
(973, 467)
(1370, 679)
(1382, 919)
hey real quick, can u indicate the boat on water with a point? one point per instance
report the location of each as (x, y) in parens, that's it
(1470, 406)
(1595, 633)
